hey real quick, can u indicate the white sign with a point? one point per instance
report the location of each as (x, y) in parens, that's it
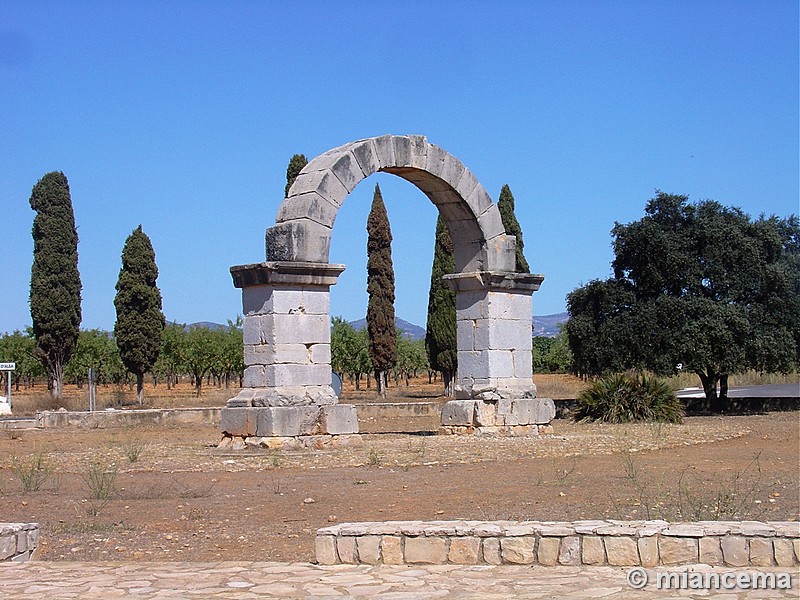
(8, 366)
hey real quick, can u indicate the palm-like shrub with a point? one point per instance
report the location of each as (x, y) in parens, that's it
(628, 398)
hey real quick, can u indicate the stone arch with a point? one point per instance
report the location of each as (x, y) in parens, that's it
(286, 300)
(305, 219)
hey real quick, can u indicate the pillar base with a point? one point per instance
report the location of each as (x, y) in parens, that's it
(504, 413)
(288, 421)
(318, 395)
(315, 442)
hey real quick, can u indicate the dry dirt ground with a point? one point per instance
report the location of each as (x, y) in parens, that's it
(181, 499)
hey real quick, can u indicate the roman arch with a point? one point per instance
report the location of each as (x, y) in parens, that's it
(286, 300)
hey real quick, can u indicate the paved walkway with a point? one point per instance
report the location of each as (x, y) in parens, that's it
(303, 580)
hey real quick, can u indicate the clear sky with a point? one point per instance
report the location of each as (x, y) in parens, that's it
(182, 116)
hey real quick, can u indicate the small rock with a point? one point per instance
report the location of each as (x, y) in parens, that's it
(332, 519)
(309, 501)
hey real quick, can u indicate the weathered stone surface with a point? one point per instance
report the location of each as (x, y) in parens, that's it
(459, 412)
(338, 419)
(784, 552)
(464, 550)
(761, 554)
(570, 550)
(533, 410)
(710, 551)
(678, 551)
(621, 551)
(8, 546)
(491, 551)
(547, 551)
(592, 551)
(425, 550)
(288, 421)
(240, 422)
(325, 550)
(518, 550)
(298, 240)
(346, 549)
(734, 550)
(392, 549)
(368, 548)
(648, 551)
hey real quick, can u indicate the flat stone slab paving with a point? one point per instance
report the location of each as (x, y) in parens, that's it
(386, 582)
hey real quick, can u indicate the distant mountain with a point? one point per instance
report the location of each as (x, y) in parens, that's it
(548, 325)
(414, 332)
(543, 326)
(207, 325)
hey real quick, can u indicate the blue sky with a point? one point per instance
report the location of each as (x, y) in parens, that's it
(182, 116)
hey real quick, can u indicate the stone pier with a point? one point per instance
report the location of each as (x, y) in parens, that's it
(287, 355)
(495, 392)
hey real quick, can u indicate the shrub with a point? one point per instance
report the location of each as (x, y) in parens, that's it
(628, 398)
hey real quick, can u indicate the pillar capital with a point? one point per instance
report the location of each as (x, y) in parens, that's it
(286, 273)
(494, 281)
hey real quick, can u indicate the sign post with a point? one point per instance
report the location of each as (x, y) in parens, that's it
(8, 367)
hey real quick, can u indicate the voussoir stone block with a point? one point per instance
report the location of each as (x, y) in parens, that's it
(425, 550)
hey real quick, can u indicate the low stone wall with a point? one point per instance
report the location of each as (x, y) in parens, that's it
(615, 543)
(399, 417)
(18, 541)
(101, 419)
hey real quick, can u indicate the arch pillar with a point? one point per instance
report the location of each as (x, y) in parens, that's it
(495, 374)
(287, 354)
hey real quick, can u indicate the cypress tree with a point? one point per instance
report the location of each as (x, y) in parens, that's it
(140, 323)
(380, 287)
(55, 296)
(440, 334)
(506, 207)
(296, 164)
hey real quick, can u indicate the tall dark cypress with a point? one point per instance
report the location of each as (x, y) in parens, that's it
(506, 207)
(440, 334)
(296, 164)
(55, 296)
(380, 287)
(140, 323)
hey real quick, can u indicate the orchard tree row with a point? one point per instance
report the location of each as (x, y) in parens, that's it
(196, 354)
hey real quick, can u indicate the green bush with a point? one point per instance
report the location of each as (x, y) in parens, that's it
(629, 398)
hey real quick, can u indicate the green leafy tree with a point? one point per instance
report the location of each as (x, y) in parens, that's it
(170, 362)
(698, 285)
(552, 355)
(18, 347)
(96, 350)
(140, 322)
(55, 296)
(440, 333)
(380, 288)
(296, 164)
(199, 354)
(506, 207)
